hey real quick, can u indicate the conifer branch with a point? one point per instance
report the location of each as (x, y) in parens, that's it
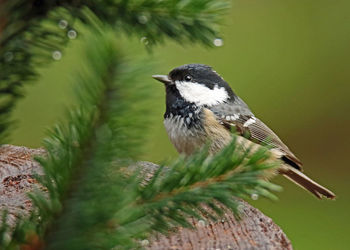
(110, 130)
(182, 189)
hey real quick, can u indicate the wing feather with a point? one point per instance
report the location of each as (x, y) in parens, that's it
(255, 130)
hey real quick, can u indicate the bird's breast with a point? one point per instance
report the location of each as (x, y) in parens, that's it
(189, 134)
(186, 134)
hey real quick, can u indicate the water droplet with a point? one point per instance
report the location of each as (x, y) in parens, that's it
(144, 243)
(57, 55)
(218, 42)
(254, 197)
(142, 19)
(62, 24)
(8, 56)
(72, 34)
(201, 223)
(144, 40)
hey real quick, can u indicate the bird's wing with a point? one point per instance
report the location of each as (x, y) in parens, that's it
(252, 128)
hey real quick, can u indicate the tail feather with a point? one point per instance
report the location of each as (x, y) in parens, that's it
(305, 182)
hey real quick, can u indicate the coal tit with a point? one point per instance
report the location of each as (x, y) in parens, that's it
(202, 107)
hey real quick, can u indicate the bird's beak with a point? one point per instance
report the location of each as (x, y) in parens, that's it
(162, 78)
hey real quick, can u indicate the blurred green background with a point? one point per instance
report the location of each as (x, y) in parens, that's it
(290, 61)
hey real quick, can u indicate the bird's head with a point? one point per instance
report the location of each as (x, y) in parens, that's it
(196, 83)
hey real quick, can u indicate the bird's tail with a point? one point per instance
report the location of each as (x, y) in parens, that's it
(305, 182)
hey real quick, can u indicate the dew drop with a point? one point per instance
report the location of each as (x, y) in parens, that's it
(142, 19)
(201, 223)
(254, 197)
(144, 243)
(144, 40)
(218, 42)
(62, 24)
(72, 34)
(57, 55)
(8, 56)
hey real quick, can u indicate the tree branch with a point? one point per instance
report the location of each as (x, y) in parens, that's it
(253, 230)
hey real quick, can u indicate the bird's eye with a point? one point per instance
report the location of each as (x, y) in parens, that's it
(188, 78)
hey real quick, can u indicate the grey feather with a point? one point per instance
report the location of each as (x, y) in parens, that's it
(247, 125)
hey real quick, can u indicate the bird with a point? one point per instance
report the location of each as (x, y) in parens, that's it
(202, 107)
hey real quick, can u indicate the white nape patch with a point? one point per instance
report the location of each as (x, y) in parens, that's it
(250, 121)
(200, 94)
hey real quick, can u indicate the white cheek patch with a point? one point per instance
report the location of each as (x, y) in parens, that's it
(200, 94)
